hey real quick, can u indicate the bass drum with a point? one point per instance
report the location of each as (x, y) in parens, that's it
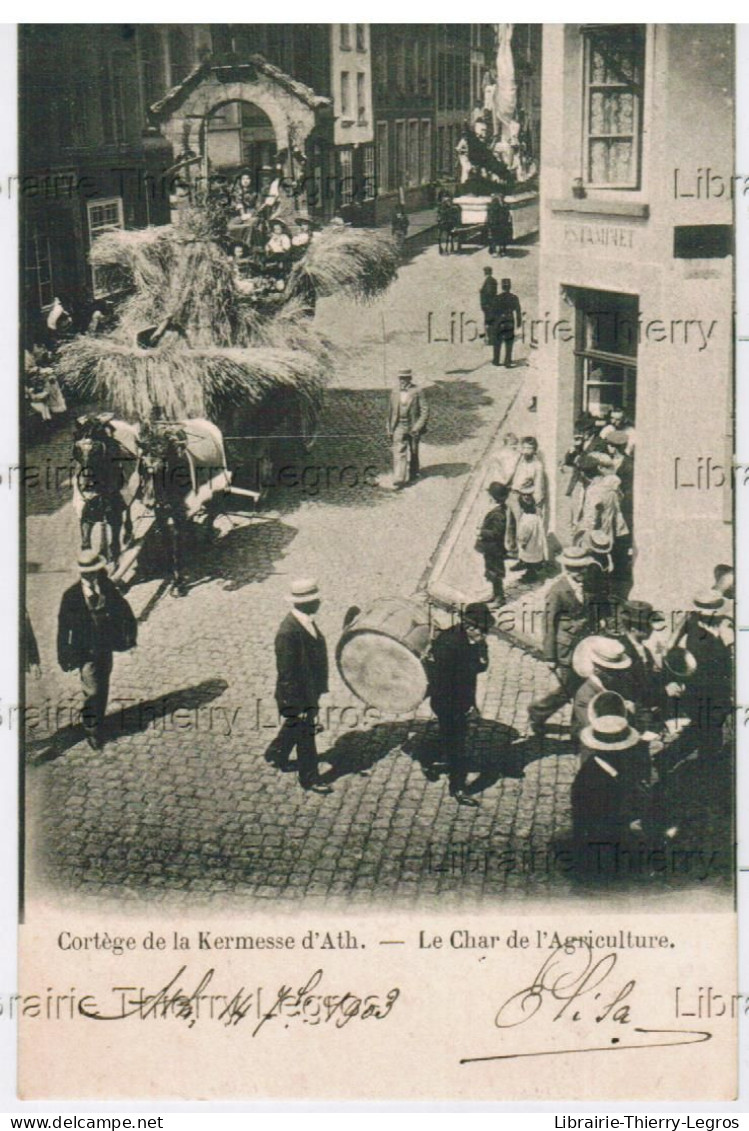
(380, 654)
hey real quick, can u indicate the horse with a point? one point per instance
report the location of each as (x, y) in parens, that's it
(104, 454)
(181, 467)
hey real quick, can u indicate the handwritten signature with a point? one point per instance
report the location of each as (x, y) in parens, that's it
(307, 1003)
(562, 990)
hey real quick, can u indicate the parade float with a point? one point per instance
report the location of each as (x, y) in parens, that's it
(494, 157)
(192, 340)
(219, 375)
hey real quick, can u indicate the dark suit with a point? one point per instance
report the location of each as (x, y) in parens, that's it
(498, 227)
(566, 621)
(491, 544)
(502, 318)
(487, 294)
(579, 720)
(302, 677)
(642, 684)
(452, 668)
(607, 794)
(406, 425)
(709, 696)
(87, 635)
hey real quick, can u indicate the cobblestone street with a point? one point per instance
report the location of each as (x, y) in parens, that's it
(180, 805)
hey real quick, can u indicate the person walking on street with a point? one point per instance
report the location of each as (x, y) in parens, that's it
(458, 655)
(505, 316)
(302, 677)
(498, 225)
(487, 295)
(407, 419)
(94, 621)
(565, 624)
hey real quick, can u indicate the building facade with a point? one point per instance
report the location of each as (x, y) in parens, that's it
(459, 55)
(636, 279)
(403, 85)
(88, 160)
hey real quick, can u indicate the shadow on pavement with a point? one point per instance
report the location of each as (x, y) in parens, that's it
(134, 719)
(489, 749)
(48, 466)
(245, 556)
(353, 452)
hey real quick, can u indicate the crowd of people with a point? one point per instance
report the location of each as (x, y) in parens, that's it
(263, 245)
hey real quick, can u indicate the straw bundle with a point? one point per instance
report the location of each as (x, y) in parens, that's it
(184, 382)
(214, 352)
(359, 262)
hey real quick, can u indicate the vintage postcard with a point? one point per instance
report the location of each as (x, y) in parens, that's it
(377, 420)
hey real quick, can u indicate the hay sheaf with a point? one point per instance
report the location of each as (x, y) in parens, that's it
(174, 273)
(358, 262)
(184, 382)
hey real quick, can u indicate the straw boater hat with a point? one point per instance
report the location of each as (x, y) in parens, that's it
(302, 590)
(405, 374)
(609, 733)
(575, 557)
(600, 542)
(601, 652)
(708, 603)
(89, 561)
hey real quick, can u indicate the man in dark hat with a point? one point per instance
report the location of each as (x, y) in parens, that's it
(457, 656)
(487, 295)
(407, 420)
(94, 621)
(505, 316)
(491, 540)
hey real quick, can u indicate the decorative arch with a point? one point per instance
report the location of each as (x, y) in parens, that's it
(293, 109)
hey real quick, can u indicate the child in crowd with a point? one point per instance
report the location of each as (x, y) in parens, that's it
(491, 540)
(532, 549)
